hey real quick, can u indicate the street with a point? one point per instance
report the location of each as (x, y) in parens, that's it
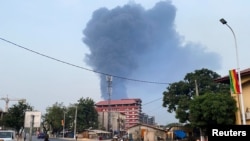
(34, 138)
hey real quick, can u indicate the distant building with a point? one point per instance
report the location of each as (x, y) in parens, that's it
(146, 119)
(117, 121)
(146, 132)
(131, 108)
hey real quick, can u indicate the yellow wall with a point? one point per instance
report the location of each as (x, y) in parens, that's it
(246, 100)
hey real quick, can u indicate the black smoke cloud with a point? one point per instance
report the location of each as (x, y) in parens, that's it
(132, 41)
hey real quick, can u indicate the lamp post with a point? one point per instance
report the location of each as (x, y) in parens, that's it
(63, 123)
(223, 21)
(75, 123)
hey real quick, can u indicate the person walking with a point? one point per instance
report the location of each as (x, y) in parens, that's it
(46, 138)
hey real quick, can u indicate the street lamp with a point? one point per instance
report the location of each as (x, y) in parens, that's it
(63, 123)
(75, 123)
(223, 21)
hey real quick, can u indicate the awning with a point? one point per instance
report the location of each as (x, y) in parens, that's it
(99, 131)
(180, 134)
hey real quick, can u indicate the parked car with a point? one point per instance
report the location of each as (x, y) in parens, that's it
(41, 136)
(7, 135)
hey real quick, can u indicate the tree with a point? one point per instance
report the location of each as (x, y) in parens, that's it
(178, 95)
(212, 109)
(15, 116)
(53, 118)
(88, 116)
(70, 116)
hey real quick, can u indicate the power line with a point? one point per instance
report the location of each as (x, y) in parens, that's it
(152, 101)
(70, 64)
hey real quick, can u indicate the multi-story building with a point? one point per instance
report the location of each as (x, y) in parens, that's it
(117, 121)
(131, 108)
(146, 119)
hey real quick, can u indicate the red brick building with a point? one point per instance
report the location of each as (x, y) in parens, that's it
(131, 108)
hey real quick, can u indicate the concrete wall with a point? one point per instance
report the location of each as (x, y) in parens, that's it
(147, 133)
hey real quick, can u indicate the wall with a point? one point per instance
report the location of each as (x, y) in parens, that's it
(246, 100)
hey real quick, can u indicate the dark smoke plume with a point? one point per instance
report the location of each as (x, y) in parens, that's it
(132, 41)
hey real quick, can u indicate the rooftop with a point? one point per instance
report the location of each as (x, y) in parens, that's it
(225, 79)
(118, 102)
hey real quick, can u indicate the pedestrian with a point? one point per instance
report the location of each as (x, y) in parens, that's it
(26, 136)
(46, 138)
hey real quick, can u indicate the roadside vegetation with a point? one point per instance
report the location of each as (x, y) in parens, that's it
(197, 100)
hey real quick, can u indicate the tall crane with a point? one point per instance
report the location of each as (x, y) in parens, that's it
(7, 99)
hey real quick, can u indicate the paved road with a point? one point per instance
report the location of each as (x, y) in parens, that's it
(72, 139)
(83, 139)
(34, 138)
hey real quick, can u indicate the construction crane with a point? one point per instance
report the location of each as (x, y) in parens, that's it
(7, 99)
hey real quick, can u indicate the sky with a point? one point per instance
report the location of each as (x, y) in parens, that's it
(63, 50)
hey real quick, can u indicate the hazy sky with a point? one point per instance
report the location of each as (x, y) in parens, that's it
(152, 41)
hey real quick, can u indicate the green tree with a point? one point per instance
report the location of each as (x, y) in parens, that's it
(72, 110)
(178, 95)
(84, 112)
(52, 120)
(45, 123)
(87, 115)
(15, 116)
(212, 109)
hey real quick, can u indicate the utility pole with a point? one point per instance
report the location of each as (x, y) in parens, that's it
(31, 127)
(119, 126)
(197, 94)
(196, 88)
(109, 80)
(63, 123)
(139, 128)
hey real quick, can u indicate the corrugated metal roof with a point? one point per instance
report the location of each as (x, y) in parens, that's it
(225, 79)
(146, 125)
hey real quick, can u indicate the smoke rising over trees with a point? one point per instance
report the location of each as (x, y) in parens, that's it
(129, 40)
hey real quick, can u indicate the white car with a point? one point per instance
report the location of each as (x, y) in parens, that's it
(7, 135)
